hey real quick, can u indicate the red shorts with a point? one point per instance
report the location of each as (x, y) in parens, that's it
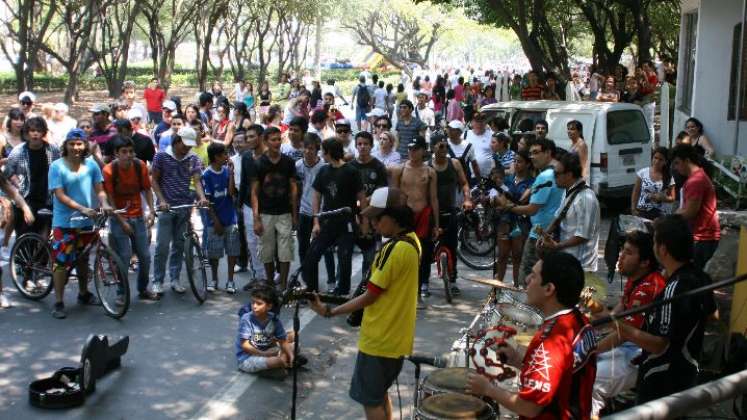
(423, 222)
(67, 243)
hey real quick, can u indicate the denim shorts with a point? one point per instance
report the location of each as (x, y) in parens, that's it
(372, 377)
(227, 243)
(253, 364)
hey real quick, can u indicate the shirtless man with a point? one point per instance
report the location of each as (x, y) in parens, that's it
(418, 181)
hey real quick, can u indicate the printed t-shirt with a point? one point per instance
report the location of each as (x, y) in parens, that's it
(641, 292)
(290, 151)
(705, 226)
(549, 197)
(339, 187)
(216, 186)
(388, 326)
(373, 175)
(306, 175)
(127, 191)
(176, 175)
(261, 335)
(78, 186)
(275, 184)
(547, 370)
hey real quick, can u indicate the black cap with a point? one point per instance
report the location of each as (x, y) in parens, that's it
(417, 142)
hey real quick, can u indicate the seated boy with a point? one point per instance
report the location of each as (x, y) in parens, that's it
(262, 342)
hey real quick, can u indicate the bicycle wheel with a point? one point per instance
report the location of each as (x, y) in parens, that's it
(31, 266)
(112, 283)
(476, 261)
(478, 241)
(196, 268)
(444, 273)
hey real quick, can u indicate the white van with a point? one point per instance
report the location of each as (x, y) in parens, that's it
(617, 134)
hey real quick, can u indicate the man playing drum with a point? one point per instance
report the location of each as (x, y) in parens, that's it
(558, 367)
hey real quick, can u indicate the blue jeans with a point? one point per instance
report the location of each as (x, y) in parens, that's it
(123, 245)
(170, 231)
(333, 232)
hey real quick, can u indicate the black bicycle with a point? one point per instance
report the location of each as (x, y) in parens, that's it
(31, 266)
(478, 231)
(194, 257)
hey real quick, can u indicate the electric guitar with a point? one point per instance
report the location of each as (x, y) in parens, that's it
(302, 294)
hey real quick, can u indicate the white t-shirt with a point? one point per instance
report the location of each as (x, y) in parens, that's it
(483, 153)
(459, 149)
(290, 151)
(380, 98)
(426, 115)
(236, 159)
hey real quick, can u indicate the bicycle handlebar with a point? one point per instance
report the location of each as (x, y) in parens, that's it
(99, 213)
(182, 206)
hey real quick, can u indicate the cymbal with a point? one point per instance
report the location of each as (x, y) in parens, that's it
(492, 283)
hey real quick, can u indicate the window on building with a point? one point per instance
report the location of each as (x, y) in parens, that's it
(736, 40)
(690, 35)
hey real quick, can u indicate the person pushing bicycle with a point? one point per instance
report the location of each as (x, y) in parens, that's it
(71, 179)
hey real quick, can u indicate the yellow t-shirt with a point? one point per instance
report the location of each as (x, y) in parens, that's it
(388, 327)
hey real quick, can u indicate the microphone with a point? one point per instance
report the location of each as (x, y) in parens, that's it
(335, 212)
(435, 361)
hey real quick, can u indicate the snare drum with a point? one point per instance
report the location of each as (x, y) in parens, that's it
(523, 317)
(454, 406)
(446, 380)
(510, 296)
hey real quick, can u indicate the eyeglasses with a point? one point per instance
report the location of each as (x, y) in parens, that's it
(27, 103)
(535, 152)
(342, 130)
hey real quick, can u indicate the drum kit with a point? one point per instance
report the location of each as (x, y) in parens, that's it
(505, 320)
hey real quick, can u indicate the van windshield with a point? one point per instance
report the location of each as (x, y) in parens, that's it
(524, 120)
(494, 113)
(627, 126)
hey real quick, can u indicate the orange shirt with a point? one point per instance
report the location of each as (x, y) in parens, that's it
(127, 192)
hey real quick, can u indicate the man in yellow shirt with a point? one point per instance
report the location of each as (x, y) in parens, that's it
(388, 328)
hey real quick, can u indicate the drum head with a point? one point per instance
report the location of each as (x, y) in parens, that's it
(449, 379)
(456, 406)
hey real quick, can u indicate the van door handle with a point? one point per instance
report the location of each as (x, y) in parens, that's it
(631, 151)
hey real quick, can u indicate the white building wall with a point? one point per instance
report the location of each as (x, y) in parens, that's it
(716, 20)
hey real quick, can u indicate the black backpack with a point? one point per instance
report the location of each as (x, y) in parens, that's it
(463, 160)
(363, 98)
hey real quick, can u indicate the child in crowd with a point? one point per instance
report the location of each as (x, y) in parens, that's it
(261, 342)
(223, 232)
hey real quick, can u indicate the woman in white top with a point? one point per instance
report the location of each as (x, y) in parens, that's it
(654, 187)
(387, 150)
(696, 137)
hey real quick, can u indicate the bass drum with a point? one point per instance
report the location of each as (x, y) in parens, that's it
(454, 406)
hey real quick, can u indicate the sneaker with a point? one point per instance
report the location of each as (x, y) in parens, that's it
(178, 288)
(300, 361)
(157, 289)
(421, 303)
(211, 287)
(455, 290)
(230, 288)
(241, 269)
(331, 288)
(4, 302)
(88, 299)
(59, 311)
(424, 292)
(148, 295)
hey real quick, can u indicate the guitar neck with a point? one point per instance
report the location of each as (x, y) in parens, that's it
(324, 297)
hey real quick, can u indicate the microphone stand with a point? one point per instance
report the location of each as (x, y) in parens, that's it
(296, 338)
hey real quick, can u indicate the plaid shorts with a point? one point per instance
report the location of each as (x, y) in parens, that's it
(227, 243)
(67, 243)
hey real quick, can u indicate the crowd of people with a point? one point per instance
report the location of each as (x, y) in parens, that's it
(262, 171)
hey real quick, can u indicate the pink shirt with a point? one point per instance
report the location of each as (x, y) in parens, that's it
(705, 226)
(454, 111)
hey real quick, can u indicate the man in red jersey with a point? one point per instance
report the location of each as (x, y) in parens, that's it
(558, 367)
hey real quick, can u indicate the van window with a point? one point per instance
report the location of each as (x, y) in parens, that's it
(494, 113)
(627, 126)
(518, 121)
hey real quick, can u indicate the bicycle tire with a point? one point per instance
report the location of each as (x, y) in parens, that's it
(31, 256)
(474, 261)
(111, 282)
(445, 273)
(468, 238)
(196, 271)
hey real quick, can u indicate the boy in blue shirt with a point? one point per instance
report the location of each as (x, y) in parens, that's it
(261, 342)
(222, 228)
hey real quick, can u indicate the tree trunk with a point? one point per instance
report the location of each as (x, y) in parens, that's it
(318, 45)
(71, 90)
(644, 38)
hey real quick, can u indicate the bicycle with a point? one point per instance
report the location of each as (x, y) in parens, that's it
(192, 248)
(478, 231)
(31, 267)
(445, 266)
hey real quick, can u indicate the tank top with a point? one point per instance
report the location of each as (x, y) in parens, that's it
(446, 181)
(264, 99)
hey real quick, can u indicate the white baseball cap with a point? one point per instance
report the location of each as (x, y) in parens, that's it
(169, 104)
(26, 94)
(60, 106)
(384, 198)
(188, 136)
(134, 113)
(457, 125)
(377, 112)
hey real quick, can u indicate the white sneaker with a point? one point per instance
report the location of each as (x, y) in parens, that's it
(4, 302)
(156, 288)
(230, 288)
(212, 286)
(178, 288)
